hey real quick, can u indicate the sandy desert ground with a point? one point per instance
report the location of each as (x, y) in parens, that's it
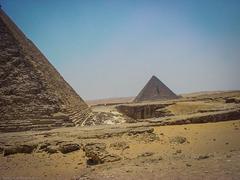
(200, 140)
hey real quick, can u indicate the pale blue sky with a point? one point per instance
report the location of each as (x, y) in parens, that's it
(110, 48)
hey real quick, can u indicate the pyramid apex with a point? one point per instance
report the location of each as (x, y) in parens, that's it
(155, 90)
(154, 77)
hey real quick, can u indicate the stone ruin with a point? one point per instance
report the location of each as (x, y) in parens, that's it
(33, 95)
(155, 90)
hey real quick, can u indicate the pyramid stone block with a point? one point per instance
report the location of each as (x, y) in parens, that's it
(33, 95)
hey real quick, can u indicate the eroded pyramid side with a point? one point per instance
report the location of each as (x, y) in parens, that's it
(33, 95)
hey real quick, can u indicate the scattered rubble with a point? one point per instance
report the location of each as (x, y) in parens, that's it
(51, 149)
(140, 131)
(119, 145)
(97, 154)
(67, 148)
(43, 146)
(232, 100)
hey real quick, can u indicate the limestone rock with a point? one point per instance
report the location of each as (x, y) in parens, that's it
(110, 158)
(51, 149)
(203, 157)
(140, 130)
(143, 134)
(44, 145)
(97, 154)
(67, 148)
(232, 100)
(27, 149)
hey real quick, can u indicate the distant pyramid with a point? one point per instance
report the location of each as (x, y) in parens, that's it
(33, 95)
(155, 90)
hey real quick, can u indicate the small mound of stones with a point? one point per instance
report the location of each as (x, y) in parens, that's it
(97, 154)
(67, 148)
(49, 148)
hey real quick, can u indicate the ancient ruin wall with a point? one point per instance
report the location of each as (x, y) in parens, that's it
(144, 111)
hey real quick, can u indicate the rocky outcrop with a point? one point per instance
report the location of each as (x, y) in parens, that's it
(25, 148)
(140, 130)
(232, 100)
(205, 118)
(97, 154)
(144, 134)
(47, 147)
(69, 147)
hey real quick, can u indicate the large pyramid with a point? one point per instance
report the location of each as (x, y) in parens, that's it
(155, 90)
(33, 95)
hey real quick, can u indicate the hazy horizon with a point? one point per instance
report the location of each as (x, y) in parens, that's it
(106, 49)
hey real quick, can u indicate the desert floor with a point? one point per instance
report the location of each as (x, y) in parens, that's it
(210, 151)
(197, 138)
